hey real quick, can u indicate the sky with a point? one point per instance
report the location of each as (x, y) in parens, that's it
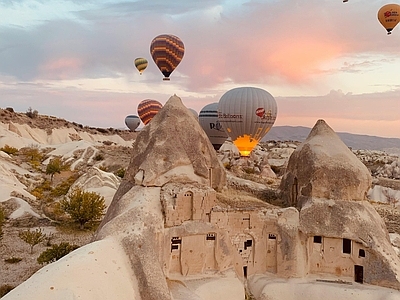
(320, 59)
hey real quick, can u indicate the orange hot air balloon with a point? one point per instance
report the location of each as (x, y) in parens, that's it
(388, 16)
(167, 51)
(147, 109)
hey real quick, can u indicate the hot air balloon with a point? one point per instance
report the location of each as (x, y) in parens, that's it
(167, 51)
(132, 122)
(140, 64)
(247, 114)
(195, 114)
(208, 119)
(147, 109)
(388, 16)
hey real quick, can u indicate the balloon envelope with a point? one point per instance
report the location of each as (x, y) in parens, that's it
(247, 114)
(167, 52)
(147, 109)
(132, 122)
(388, 16)
(140, 64)
(195, 114)
(208, 119)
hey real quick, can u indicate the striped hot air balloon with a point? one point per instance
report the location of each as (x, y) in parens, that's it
(147, 109)
(208, 119)
(140, 64)
(167, 51)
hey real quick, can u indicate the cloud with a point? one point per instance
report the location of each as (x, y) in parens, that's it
(266, 42)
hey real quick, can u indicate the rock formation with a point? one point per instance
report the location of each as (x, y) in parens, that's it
(171, 149)
(329, 184)
(324, 167)
(167, 235)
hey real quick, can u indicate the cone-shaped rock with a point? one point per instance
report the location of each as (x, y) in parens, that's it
(173, 146)
(324, 167)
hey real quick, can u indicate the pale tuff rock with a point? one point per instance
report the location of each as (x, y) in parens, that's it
(323, 179)
(98, 181)
(324, 167)
(175, 234)
(173, 146)
(361, 225)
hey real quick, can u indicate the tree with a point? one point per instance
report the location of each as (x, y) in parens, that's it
(83, 207)
(56, 165)
(32, 237)
(56, 252)
(32, 113)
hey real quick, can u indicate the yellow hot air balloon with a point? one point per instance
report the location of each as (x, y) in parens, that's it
(247, 114)
(388, 16)
(140, 64)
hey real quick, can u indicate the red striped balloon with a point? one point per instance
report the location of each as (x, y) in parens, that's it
(147, 109)
(167, 51)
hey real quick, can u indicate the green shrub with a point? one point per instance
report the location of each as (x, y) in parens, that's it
(98, 157)
(9, 150)
(56, 165)
(32, 113)
(103, 168)
(32, 237)
(33, 155)
(84, 207)
(56, 252)
(120, 172)
(13, 260)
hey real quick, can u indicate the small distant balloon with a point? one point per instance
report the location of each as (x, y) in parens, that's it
(208, 119)
(132, 122)
(388, 16)
(195, 114)
(247, 114)
(140, 64)
(167, 51)
(147, 109)
(345, 1)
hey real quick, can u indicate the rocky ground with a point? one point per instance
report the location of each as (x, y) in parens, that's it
(252, 182)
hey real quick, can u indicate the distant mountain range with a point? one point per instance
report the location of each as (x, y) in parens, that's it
(355, 141)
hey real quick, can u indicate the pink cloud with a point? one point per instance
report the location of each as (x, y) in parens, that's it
(61, 68)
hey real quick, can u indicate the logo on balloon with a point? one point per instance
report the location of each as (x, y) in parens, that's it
(260, 112)
(216, 126)
(387, 14)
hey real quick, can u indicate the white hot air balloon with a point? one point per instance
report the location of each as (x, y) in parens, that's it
(132, 122)
(247, 114)
(195, 114)
(208, 119)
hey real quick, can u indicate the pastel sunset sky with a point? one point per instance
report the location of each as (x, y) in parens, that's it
(320, 59)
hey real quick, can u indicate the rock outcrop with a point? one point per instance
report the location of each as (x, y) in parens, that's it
(324, 167)
(173, 146)
(329, 184)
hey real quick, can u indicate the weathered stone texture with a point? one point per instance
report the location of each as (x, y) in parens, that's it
(324, 167)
